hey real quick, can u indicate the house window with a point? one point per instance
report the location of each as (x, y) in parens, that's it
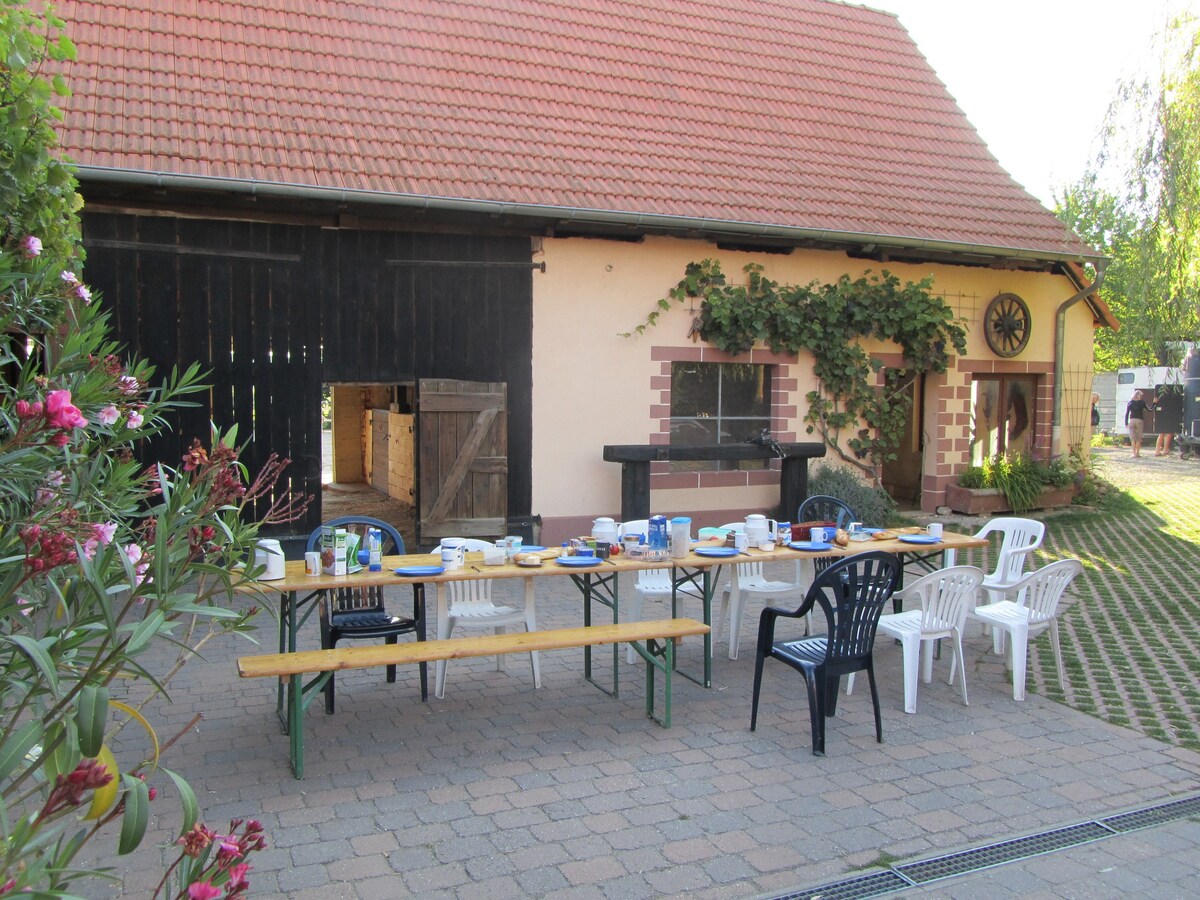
(719, 403)
(1003, 414)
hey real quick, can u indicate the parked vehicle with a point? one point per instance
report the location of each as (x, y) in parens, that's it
(1166, 383)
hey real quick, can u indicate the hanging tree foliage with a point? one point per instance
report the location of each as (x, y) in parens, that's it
(830, 321)
(1139, 202)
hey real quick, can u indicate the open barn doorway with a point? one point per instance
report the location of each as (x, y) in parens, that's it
(368, 456)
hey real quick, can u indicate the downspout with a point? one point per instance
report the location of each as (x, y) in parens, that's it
(1060, 327)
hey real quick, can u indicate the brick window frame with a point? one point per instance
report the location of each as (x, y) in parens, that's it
(784, 411)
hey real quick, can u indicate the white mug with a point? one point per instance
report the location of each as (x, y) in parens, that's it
(816, 534)
(453, 554)
(741, 541)
(312, 562)
(935, 529)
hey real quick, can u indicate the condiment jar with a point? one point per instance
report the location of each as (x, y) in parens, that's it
(681, 537)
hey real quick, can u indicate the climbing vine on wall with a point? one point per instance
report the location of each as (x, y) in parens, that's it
(830, 320)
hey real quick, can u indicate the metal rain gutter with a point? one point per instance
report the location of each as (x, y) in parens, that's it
(159, 181)
(1060, 327)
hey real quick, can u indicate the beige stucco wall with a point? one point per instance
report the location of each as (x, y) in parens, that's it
(593, 387)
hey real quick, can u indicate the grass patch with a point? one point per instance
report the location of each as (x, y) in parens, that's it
(1131, 638)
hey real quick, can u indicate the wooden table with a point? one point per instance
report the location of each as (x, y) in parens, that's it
(598, 583)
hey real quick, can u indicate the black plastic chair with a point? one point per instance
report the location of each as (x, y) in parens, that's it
(823, 508)
(851, 592)
(358, 613)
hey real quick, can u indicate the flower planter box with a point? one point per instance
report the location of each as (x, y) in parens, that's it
(985, 501)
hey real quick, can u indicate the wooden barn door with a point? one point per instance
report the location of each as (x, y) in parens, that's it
(462, 459)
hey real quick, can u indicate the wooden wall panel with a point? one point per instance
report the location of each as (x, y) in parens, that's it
(273, 311)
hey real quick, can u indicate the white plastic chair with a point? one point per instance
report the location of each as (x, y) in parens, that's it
(470, 606)
(945, 596)
(748, 580)
(1020, 538)
(650, 582)
(1035, 612)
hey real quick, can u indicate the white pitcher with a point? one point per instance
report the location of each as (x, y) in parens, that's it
(269, 555)
(759, 528)
(604, 529)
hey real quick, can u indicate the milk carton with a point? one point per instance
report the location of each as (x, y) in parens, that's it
(333, 550)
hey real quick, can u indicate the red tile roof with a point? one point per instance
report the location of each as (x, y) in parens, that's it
(786, 114)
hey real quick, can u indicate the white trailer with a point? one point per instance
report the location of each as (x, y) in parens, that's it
(1163, 382)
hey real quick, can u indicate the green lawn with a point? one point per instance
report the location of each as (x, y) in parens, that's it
(1131, 632)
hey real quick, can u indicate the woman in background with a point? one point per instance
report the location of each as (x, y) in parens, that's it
(1135, 412)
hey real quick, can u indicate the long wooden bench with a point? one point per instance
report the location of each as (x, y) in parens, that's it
(654, 640)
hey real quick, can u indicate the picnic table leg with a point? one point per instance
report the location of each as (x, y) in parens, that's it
(296, 724)
(287, 644)
(707, 583)
(419, 618)
(659, 658)
(603, 584)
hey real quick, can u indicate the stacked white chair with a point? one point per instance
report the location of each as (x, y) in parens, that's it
(650, 582)
(1035, 611)
(470, 606)
(750, 581)
(945, 596)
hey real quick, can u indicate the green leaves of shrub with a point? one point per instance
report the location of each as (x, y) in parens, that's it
(830, 320)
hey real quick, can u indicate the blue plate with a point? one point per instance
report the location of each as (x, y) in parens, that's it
(578, 562)
(716, 551)
(920, 539)
(531, 549)
(413, 571)
(810, 545)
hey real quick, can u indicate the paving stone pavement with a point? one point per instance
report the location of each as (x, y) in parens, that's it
(503, 791)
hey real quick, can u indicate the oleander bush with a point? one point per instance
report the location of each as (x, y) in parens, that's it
(101, 557)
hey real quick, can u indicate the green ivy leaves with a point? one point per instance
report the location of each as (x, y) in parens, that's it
(830, 321)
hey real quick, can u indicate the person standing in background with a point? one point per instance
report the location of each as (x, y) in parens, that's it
(1095, 412)
(1162, 447)
(1135, 412)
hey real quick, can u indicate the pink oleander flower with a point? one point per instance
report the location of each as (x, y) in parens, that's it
(128, 385)
(69, 277)
(135, 419)
(203, 890)
(31, 246)
(56, 478)
(137, 559)
(82, 293)
(44, 497)
(21, 601)
(60, 413)
(108, 415)
(195, 841)
(27, 410)
(102, 535)
(237, 878)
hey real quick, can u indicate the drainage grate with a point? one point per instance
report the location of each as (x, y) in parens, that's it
(1154, 815)
(874, 885)
(1005, 851)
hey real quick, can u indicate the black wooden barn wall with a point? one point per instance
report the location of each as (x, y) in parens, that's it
(275, 310)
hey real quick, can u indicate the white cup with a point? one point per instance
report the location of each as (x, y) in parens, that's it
(817, 534)
(312, 562)
(935, 529)
(741, 541)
